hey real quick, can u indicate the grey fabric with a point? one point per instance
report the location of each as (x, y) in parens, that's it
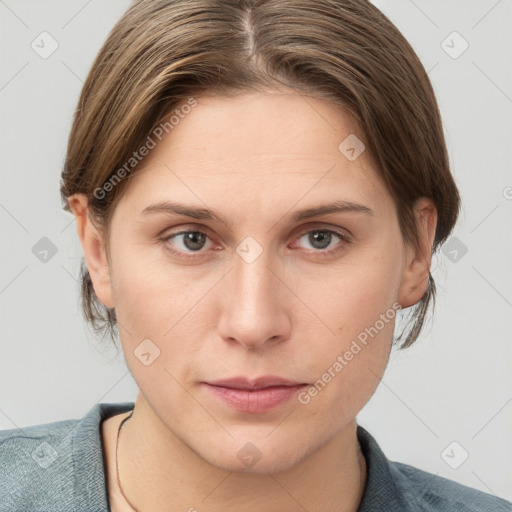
(59, 467)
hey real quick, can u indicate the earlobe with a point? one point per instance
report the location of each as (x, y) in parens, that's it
(415, 278)
(94, 249)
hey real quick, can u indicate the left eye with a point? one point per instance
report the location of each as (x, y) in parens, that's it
(321, 238)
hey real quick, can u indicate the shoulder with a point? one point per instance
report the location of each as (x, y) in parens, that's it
(34, 462)
(397, 487)
(55, 466)
(431, 492)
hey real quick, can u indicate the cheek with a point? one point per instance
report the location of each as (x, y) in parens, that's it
(344, 373)
(354, 296)
(151, 307)
(159, 302)
(148, 291)
(360, 309)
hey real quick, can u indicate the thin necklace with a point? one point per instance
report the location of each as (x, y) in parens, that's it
(121, 425)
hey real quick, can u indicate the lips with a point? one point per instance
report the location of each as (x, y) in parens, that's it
(253, 395)
(255, 384)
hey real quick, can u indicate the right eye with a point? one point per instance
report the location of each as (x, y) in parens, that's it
(185, 241)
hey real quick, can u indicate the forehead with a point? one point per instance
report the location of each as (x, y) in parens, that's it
(280, 146)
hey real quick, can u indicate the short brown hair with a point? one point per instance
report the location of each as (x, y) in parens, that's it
(162, 52)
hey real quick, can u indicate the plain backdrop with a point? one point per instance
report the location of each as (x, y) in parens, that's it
(447, 398)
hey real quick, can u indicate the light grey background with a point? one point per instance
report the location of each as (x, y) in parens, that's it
(454, 385)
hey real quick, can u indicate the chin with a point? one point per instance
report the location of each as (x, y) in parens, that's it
(272, 463)
(260, 457)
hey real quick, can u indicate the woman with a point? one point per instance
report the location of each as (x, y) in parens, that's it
(258, 187)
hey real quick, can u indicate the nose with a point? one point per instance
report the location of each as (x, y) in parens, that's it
(255, 304)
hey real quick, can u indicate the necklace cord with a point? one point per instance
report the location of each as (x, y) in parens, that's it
(121, 425)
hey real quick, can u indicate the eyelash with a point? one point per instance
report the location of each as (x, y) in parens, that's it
(320, 252)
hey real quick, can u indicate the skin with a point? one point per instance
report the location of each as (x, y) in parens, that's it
(256, 158)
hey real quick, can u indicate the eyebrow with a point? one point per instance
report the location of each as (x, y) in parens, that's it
(173, 208)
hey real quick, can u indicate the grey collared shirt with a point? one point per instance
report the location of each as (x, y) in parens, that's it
(59, 467)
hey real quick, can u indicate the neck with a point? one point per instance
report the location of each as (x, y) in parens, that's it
(159, 472)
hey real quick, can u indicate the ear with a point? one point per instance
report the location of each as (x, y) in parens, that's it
(417, 268)
(94, 249)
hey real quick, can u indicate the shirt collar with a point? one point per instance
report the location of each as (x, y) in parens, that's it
(381, 492)
(89, 475)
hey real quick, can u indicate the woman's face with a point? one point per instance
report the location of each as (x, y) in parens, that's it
(268, 292)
